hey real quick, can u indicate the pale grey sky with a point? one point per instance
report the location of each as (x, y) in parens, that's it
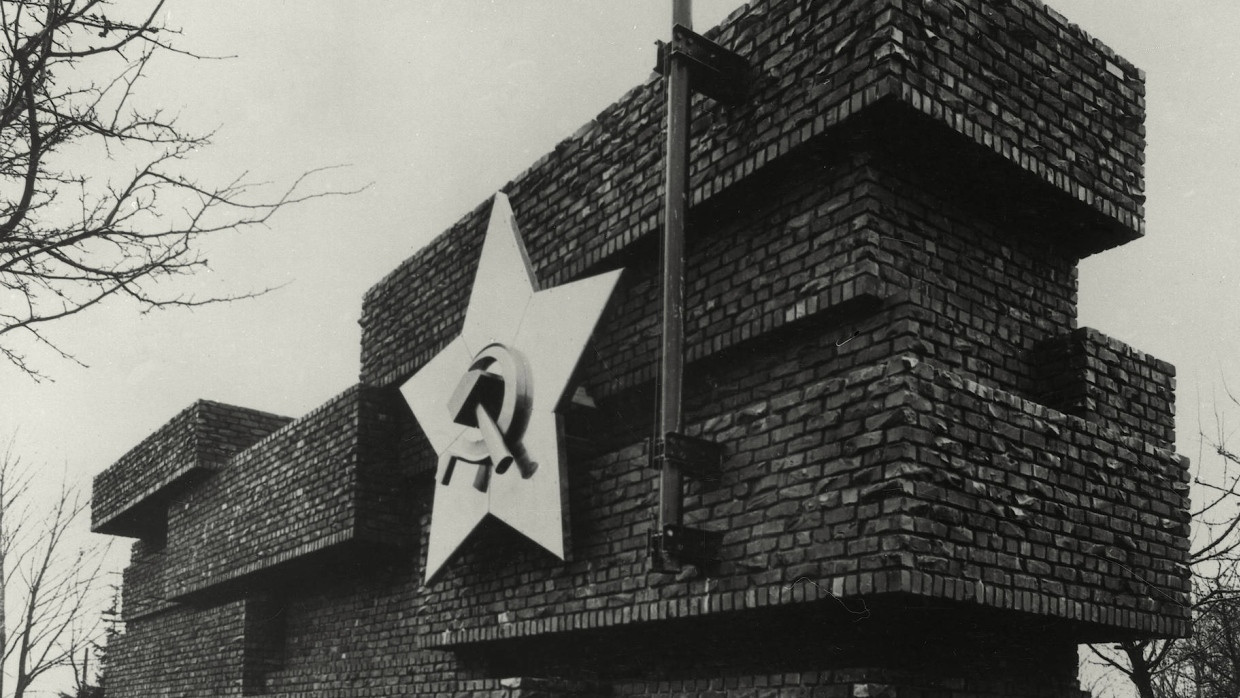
(439, 103)
(436, 104)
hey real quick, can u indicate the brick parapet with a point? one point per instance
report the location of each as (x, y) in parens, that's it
(326, 480)
(196, 441)
(1103, 380)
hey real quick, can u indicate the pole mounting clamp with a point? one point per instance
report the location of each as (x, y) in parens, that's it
(714, 71)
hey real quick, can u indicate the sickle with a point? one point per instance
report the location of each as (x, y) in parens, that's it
(507, 395)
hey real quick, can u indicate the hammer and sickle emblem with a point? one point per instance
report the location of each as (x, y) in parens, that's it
(492, 397)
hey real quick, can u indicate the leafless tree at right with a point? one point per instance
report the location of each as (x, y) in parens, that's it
(1207, 665)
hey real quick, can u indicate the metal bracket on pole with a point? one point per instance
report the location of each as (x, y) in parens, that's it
(689, 62)
(714, 71)
(698, 458)
(680, 545)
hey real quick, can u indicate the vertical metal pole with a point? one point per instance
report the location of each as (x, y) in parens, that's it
(676, 203)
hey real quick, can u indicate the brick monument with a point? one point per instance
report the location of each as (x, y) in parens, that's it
(933, 482)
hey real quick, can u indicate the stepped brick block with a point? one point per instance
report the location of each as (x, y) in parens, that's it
(130, 496)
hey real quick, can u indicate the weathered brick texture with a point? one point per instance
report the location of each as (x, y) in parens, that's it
(197, 650)
(935, 483)
(1093, 376)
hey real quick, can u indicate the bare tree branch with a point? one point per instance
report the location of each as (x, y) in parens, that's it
(1208, 664)
(58, 587)
(123, 237)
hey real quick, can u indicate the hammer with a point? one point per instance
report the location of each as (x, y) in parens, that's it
(476, 398)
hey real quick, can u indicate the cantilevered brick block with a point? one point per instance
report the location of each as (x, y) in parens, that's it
(1016, 85)
(131, 496)
(325, 482)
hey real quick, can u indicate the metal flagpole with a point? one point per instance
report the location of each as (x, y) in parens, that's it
(690, 63)
(676, 203)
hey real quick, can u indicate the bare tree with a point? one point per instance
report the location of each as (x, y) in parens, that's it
(52, 591)
(71, 239)
(1206, 665)
(1210, 662)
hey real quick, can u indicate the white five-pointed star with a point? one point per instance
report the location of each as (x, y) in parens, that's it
(550, 329)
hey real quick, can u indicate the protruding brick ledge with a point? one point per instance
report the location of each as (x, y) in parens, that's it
(130, 496)
(327, 480)
(696, 600)
(1064, 518)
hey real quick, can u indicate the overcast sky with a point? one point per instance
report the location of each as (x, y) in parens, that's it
(437, 104)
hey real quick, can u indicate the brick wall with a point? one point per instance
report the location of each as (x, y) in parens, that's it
(197, 650)
(935, 483)
(1093, 376)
